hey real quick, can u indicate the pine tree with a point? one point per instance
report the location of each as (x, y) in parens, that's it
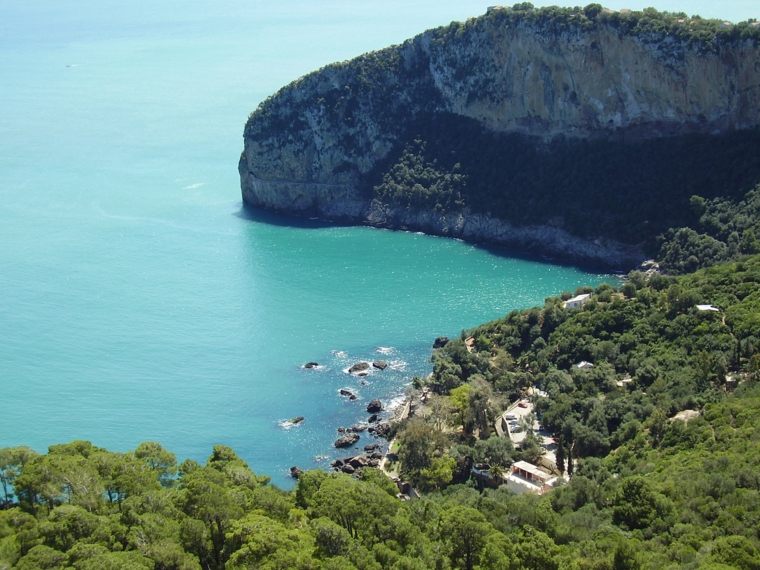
(560, 456)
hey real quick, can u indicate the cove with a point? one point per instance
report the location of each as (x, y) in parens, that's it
(139, 302)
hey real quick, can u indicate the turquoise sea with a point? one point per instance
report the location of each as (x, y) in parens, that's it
(138, 302)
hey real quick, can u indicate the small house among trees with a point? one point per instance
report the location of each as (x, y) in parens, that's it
(577, 302)
(525, 477)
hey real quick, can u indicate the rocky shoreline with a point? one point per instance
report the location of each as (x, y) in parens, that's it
(323, 145)
(543, 241)
(380, 415)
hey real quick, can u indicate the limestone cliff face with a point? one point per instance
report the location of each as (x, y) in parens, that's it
(309, 147)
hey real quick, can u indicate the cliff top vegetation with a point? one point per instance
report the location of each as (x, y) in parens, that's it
(650, 24)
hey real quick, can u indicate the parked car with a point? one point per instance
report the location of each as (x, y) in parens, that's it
(522, 405)
(510, 417)
(517, 429)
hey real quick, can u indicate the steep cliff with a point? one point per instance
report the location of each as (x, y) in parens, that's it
(452, 132)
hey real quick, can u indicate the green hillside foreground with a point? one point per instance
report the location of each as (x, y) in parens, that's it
(647, 492)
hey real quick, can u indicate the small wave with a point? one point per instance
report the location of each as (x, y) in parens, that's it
(321, 458)
(396, 402)
(287, 424)
(385, 350)
(194, 186)
(398, 365)
(339, 353)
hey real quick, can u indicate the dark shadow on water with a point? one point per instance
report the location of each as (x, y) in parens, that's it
(538, 255)
(535, 255)
(276, 219)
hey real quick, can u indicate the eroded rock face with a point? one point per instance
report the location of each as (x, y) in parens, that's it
(309, 147)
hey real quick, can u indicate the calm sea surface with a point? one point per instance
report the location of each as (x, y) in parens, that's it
(137, 301)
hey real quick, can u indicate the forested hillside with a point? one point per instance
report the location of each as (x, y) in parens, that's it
(647, 491)
(726, 228)
(677, 496)
(631, 191)
(649, 352)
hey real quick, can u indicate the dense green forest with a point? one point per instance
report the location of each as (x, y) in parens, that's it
(686, 496)
(650, 332)
(725, 229)
(449, 162)
(646, 492)
(649, 24)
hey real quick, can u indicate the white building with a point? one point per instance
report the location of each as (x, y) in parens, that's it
(525, 477)
(708, 308)
(576, 302)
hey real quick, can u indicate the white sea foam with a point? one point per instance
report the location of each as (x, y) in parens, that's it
(339, 353)
(385, 350)
(362, 373)
(194, 186)
(287, 424)
(398, 365)
(396, 402)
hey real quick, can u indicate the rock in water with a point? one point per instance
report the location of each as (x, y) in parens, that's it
(296, 420)
(311, 365)
(380, 364)
(359, 367)
(374, 406)
(440, 342)
(295, 472)
(347, 440)
(381, 430)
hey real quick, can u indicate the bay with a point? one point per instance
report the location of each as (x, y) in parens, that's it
(139, 302)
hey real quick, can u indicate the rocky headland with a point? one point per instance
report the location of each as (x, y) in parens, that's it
(516, 127)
